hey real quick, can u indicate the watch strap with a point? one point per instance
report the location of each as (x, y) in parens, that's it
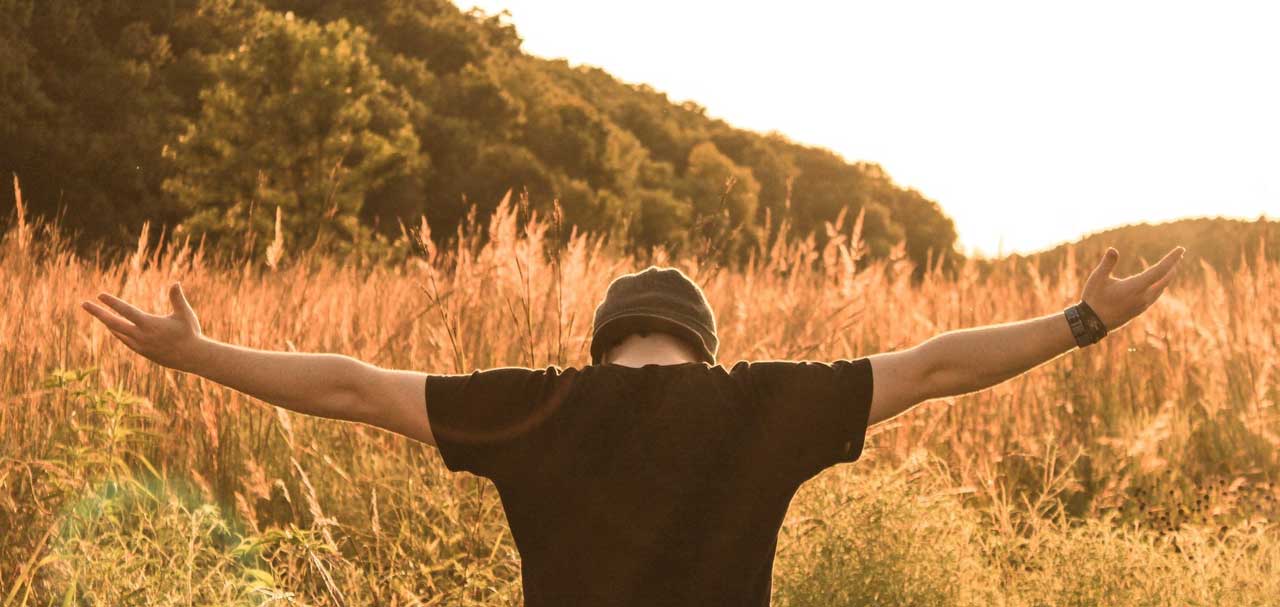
(1086, 327)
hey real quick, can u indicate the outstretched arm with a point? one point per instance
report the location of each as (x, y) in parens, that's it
(326, 385)
(967, 360)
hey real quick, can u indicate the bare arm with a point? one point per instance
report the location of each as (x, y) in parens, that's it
(325, 385)
(968, 360)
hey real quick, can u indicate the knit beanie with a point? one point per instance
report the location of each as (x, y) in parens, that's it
(655, 299)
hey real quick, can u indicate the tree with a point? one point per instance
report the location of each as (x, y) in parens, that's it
(724, 197)
(713, 182)
(298, 118)
(505, 167)
(570, 136)
(85, 109)
(660, 218)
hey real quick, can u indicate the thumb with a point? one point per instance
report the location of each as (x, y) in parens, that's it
(1105, 267)
(180, 305)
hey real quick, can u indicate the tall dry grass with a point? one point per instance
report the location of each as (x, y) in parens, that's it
(1139, 471)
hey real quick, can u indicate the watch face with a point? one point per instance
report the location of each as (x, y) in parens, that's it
(1091, 319)
(1092, 323)
(1095, 327)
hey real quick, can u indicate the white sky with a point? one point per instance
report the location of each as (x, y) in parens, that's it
(1031, 123)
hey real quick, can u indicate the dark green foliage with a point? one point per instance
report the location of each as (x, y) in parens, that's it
(297, 118)
(87, 108)
(501, 165)
(661, 219)
(352, 116)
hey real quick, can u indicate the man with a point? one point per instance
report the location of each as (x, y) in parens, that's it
(653, 476)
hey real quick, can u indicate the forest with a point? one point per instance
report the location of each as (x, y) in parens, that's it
(349, 119)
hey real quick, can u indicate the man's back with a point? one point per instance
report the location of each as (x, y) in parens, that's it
(654, 485)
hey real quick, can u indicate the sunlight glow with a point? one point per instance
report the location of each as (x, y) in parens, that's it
(1030, 123)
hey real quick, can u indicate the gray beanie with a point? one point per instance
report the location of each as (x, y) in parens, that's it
(655, 299)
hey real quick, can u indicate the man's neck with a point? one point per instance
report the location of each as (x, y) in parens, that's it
(651, 349)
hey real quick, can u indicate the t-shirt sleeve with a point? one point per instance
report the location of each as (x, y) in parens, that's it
(491, 421)
(811, 415)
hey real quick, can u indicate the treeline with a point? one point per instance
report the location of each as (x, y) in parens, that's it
(350, 116)
(1225, 245)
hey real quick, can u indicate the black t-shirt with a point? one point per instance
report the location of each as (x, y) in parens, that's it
(654, 485)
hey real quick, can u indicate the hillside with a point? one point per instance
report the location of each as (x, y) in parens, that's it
(204, 117)
(1224, 244)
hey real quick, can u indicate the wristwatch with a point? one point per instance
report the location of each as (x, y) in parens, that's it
(1086, 327)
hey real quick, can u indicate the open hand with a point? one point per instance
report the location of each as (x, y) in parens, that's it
(1119, 300)
(167, 340)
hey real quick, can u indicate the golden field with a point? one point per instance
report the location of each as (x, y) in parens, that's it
(1136, 472)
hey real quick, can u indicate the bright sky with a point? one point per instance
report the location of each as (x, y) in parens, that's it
(1031, 123)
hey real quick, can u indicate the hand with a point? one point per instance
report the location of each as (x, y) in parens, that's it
(168, 340)
(1117, 301)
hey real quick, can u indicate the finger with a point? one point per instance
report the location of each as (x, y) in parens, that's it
(1109, 260)
(127, 340)
(113, 323)
(124, 308)
(1162, 269)
(179, 301)
(1158, 287)
(1104, 268)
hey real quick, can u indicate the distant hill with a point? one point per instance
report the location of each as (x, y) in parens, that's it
(1224, 244)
